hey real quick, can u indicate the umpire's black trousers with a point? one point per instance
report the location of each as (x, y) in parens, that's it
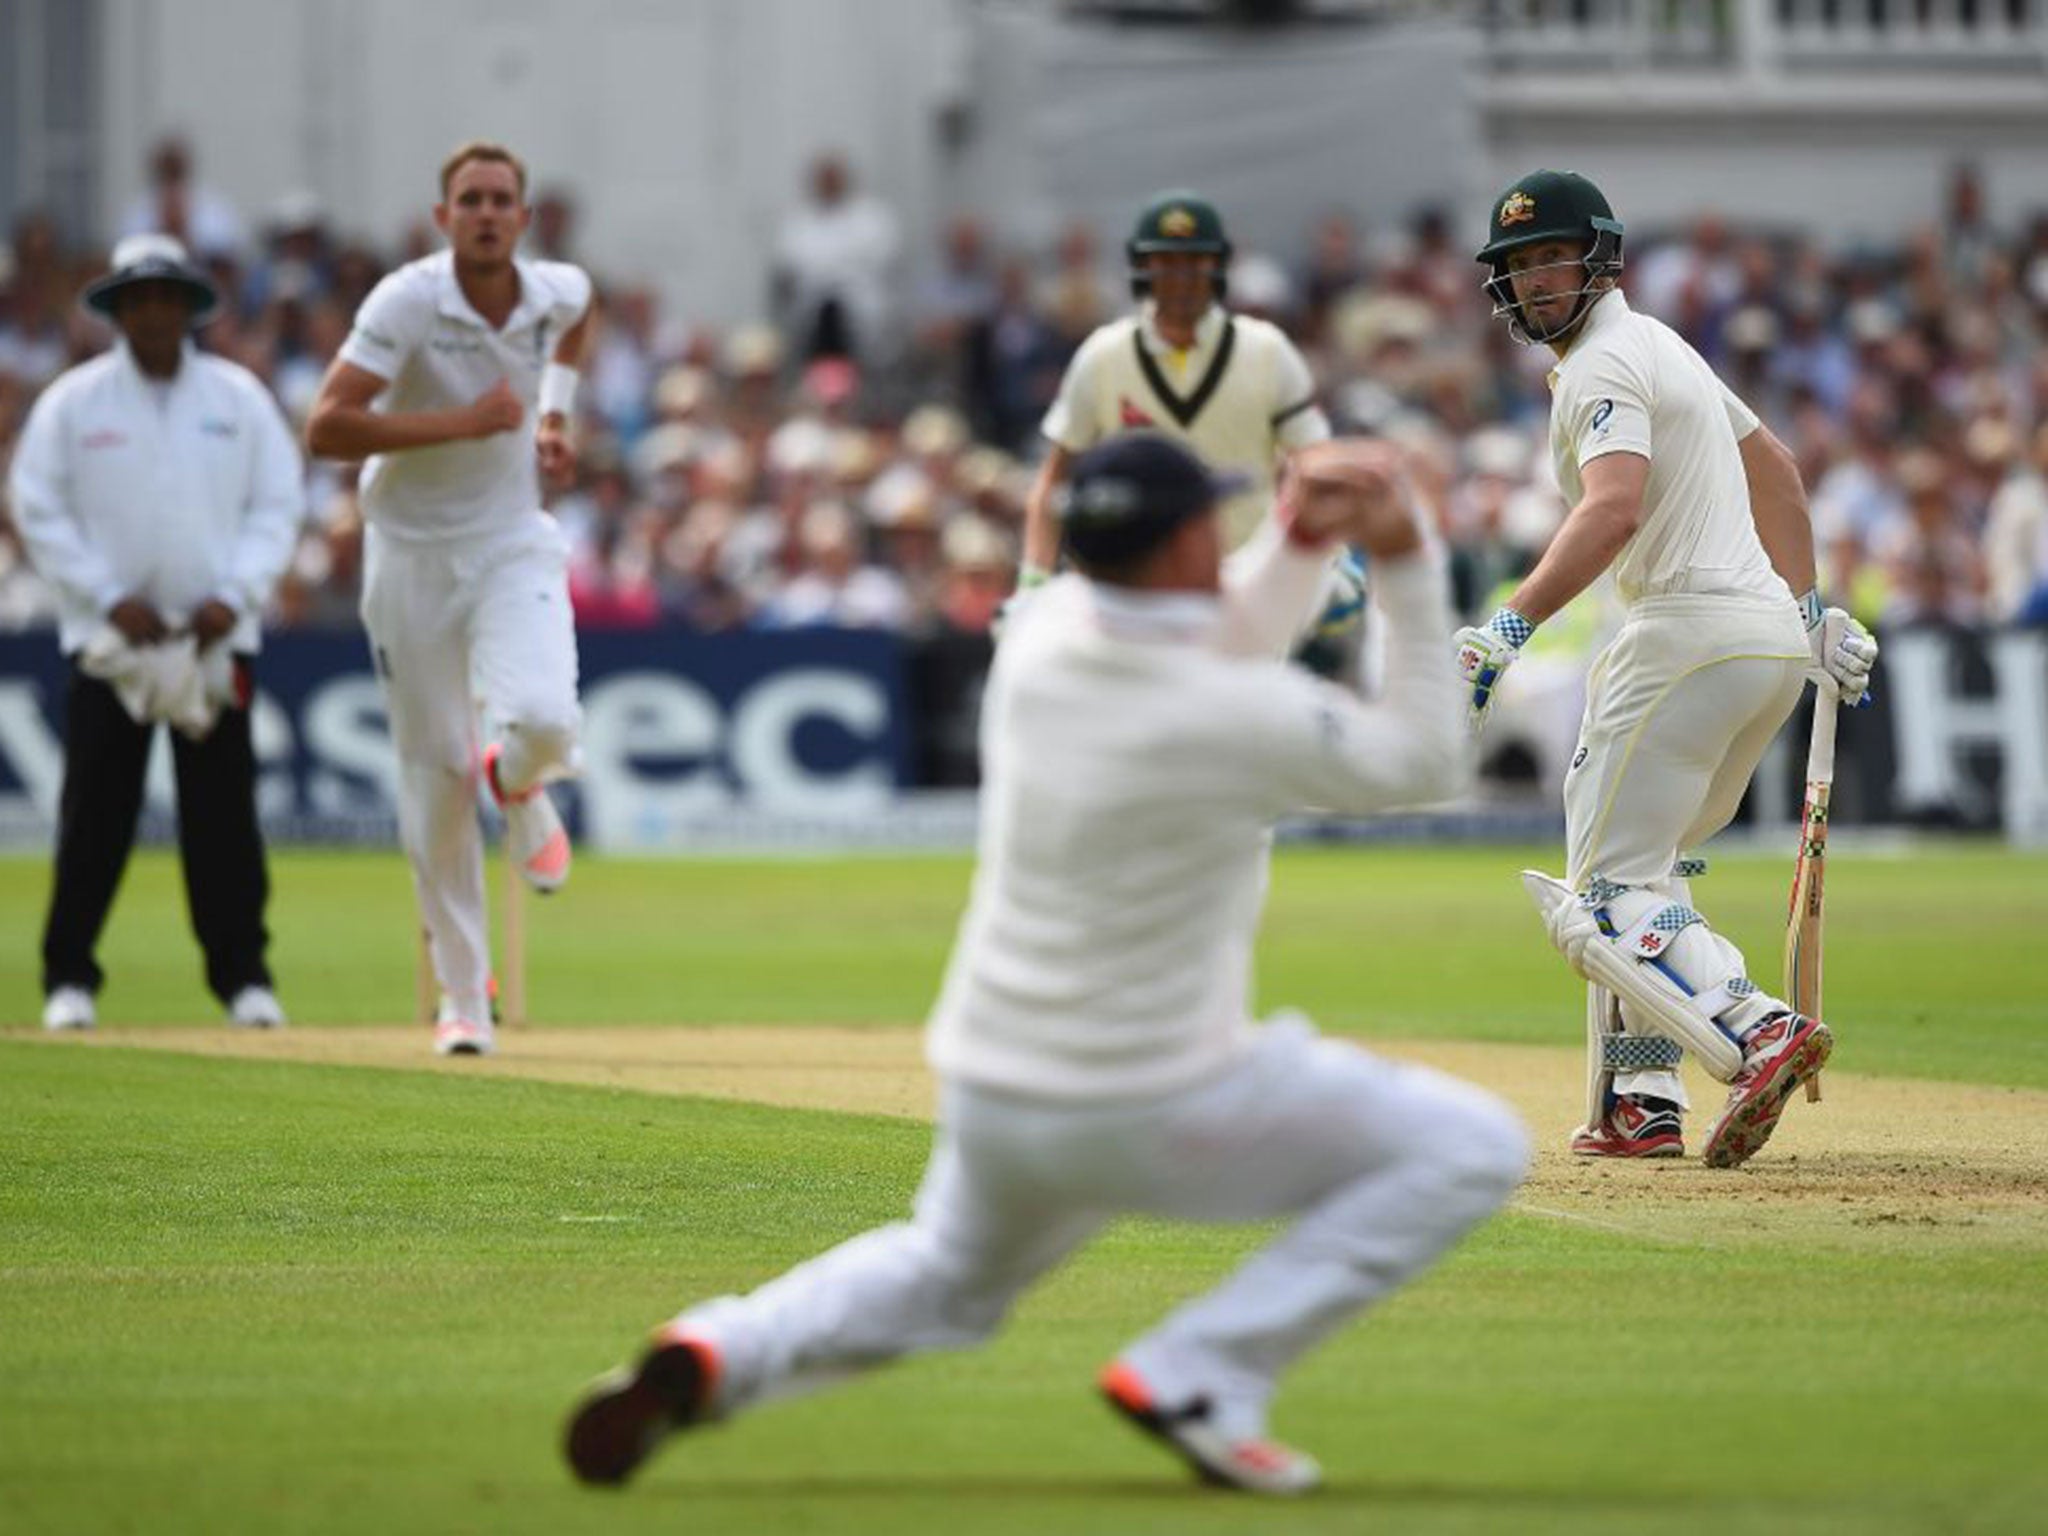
(226, 886)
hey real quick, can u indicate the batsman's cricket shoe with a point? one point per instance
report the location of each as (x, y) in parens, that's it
(627, 1413)
(538, 841)
(1251, 1465)
(1633, 1127)
(1783, 1052)
(67, 1008)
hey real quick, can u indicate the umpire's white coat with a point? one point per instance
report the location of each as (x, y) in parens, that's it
(1092, 1038)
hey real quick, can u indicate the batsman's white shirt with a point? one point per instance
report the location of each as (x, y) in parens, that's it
(418, 332)
(1238, 396)
(1135, 752)
(1630, 384)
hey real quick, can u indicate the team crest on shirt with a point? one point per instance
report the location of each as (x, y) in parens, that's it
(1130, 415)
(1177, 224)
(1519, 208)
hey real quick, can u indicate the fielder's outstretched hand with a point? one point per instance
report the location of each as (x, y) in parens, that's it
(1354, 491)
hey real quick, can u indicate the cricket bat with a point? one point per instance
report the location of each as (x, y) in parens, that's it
(1803, 923)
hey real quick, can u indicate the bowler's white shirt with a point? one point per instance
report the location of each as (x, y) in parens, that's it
(417, 332)
(1135, 752)
(1630, 384)
(179, 492)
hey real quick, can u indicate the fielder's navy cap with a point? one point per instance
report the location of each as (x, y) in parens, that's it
(1127, 494)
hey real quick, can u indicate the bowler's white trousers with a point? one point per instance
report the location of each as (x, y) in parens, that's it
(1680, 709)
(1384, 1165)
(482, 620)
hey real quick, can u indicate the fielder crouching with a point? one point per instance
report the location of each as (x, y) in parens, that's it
(1141, 732)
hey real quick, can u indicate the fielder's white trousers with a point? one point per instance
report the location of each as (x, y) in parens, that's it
(477, 622)
(1680, 709)
(1384, 1166)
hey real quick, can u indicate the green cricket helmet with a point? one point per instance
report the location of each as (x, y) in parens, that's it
(1177, 221)
(1546, 206)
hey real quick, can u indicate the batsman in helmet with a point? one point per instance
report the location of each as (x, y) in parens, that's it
(1698, 509)
(1231, 387)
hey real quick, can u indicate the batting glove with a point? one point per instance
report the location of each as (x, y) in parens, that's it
(1842, 648)
(1485, 654)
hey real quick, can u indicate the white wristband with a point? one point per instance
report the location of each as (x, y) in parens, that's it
(557, 390)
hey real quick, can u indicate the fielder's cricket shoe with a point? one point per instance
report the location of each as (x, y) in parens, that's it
(626, 1413)
(68, 1008)
(534, 832)
(256, 1008)
(1250, 1465)
(1782, 1053)
(1634, 1126)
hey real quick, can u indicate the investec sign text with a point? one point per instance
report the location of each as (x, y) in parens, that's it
(675, 729)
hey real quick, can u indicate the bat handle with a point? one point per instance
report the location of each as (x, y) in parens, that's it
(1827, 713)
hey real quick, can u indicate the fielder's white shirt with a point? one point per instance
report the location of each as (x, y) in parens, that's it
(179, 492)
(1631, 384)
(1136, 750)
(418, 332)
(1237, 397)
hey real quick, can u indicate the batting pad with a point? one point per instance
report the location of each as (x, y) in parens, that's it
(1651, 985)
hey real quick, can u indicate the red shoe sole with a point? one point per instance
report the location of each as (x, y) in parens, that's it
(1741, 1131)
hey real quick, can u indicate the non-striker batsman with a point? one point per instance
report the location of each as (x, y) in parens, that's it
(1699, 510)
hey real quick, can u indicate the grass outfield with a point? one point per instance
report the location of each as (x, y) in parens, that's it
(1933, 955)
(276, 1296)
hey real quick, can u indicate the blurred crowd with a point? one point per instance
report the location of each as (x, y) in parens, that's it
(860, 455)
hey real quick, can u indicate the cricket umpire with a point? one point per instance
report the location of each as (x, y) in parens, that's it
(1140, 734)
(159, 492)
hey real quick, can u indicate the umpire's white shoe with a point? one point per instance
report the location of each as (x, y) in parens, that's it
(624, 1415)
(1251, 1465)
(256, 1008)
(68, 1008)
(538, 841)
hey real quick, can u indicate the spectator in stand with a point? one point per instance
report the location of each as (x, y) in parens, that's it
(35, 334)
(1933, 570)
(177, 204)
(1081, 294)
(835, 269)
(835, 585)
(1014, 358)
(951, 304)
(2016, 540)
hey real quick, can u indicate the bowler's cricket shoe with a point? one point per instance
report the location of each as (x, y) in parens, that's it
(1634, 1126)
(534, 833)
(1782, 1053)
(627, 1413)
(1251, 1465)
(456, 1036)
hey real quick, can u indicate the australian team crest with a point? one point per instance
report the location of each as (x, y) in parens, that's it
(1519, 208)
(1177, 224)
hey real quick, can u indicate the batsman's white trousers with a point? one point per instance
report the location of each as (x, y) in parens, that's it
(1384, 1165)
(1680, 709)
(453, 625)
